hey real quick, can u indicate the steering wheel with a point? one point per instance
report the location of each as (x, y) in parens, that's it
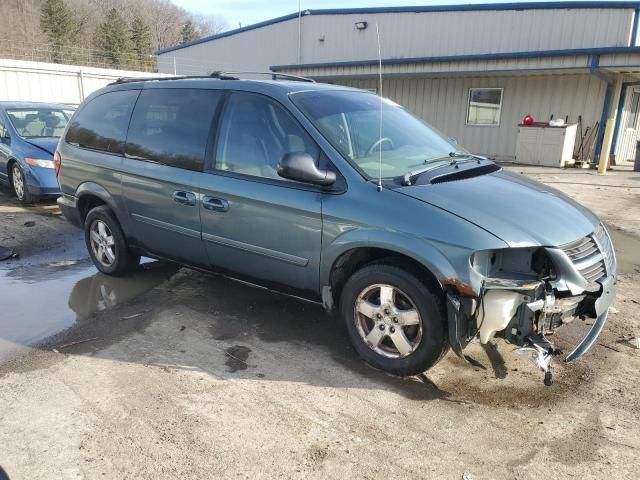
(380, 141)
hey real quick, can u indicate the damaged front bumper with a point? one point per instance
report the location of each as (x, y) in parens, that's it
(602, 312)
(580, 283)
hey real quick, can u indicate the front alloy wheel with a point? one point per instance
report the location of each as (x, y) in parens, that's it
(388, 321)
(395, 317)
(20, 185)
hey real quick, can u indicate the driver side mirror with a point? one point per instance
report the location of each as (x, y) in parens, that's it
(301, 167)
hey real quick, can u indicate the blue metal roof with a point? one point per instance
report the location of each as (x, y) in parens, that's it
(465, 58)
(417, 9)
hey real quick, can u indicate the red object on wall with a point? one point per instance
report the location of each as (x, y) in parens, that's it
(528, 120)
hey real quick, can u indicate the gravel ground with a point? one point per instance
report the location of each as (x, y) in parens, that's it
(178, 374)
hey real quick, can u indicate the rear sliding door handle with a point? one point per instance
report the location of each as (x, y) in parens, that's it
(185, 198)
(217, 204)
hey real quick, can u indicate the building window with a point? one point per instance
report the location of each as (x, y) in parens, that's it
(484, 106)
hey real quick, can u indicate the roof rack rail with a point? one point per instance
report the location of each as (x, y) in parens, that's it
(275, 75)
(216, 75)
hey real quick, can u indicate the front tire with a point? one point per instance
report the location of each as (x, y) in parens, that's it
(19, 186)
(395, 321)
(106, 243)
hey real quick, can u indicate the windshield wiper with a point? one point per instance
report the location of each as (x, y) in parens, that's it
(407, 178)
(456, 155)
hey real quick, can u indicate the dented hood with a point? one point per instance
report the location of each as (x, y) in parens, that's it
(48, 144)
(518, 210)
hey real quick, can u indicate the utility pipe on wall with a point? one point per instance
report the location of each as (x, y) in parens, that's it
(608, 117)
(299, 31)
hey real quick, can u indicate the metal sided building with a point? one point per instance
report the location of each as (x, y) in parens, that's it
(472, 71)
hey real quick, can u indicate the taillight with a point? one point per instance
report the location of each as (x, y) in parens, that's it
(57, 162)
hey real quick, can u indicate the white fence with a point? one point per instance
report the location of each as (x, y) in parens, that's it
(55, 83)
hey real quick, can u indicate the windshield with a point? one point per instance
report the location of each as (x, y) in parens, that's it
(350, 120)
(39, 122)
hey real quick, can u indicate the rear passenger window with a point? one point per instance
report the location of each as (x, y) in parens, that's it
(102, 123)
(171, 126)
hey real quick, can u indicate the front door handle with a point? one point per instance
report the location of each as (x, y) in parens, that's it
(185, 198)
(217, 204)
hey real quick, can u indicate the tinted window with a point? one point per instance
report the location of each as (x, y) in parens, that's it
(171, 126)
(255, 134)
(102, 123)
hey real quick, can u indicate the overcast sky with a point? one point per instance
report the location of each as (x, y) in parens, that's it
(253, 11)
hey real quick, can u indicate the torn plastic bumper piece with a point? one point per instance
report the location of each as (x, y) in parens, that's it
(602, 312)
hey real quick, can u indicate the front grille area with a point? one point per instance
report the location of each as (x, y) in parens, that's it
(592, 255)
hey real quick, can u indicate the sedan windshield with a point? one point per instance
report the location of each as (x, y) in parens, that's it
(350, 121)
(38, 123)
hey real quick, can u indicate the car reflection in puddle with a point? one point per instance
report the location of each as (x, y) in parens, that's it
(40, 301)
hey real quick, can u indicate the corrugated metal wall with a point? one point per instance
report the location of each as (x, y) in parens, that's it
(54, 83)
(332, 38)
(462, 33)
(252, 50)
(442, 102)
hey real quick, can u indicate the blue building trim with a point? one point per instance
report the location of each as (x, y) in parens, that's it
(621, 102)
(467, 58)
(418, 9)
(634, 29)
(594, 70)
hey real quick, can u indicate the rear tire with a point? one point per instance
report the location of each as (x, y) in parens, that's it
(19, 186)
(106, 243)
(403, 329)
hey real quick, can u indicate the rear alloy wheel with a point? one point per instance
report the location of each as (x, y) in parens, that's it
(106, 243)
(102, 243)
(19, 185)
(395, 321)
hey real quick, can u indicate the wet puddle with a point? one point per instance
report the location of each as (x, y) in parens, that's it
(42, 300)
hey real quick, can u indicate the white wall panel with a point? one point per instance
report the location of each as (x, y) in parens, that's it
(54, 83)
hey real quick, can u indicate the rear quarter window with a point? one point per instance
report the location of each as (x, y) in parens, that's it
(171, 126)
(102, 123)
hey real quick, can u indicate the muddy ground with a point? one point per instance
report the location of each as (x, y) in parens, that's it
(177, 374)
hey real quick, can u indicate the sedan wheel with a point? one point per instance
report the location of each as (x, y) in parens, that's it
(18, 182)
(388, 321)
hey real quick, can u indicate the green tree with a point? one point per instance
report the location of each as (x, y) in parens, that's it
(189, 32)
(113, 39)
(141, 42)
(60, 26)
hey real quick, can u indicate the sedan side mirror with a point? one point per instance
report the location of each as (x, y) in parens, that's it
(302, 167)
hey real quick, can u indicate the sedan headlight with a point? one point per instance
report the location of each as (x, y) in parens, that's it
(38, 162)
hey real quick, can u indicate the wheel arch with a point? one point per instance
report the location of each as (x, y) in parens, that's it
(348, 256)
(10, 163)
(91, 195)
